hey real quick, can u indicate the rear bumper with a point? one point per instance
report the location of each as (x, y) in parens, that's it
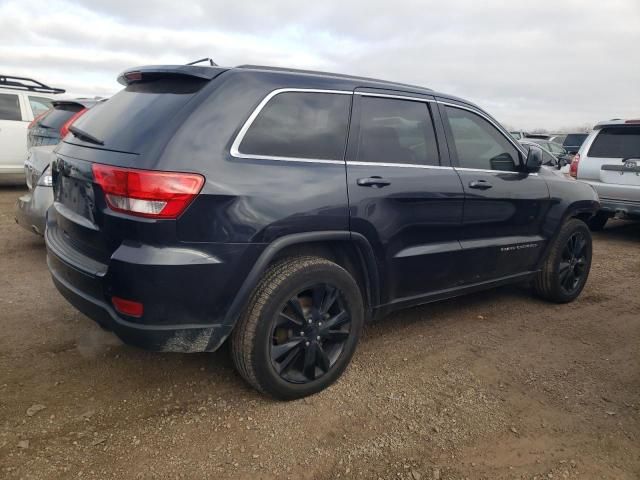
(185, 294)
(621, 208)
(31, 209)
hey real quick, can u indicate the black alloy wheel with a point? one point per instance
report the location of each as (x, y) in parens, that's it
(573, 263)
(309, 334)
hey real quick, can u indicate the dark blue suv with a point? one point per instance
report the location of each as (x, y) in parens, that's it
(283, 208)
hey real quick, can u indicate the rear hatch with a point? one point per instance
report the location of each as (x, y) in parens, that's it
(121, 136)
(613, 160)
(45, 130)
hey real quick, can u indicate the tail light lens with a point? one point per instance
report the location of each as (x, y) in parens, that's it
(573, 169)
(65, 128)
(147, 193)
(38, 118)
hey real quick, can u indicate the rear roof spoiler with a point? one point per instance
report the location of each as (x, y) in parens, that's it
(136, 74)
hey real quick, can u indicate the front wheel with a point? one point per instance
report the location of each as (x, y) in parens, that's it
(566, 269)
(300, 329)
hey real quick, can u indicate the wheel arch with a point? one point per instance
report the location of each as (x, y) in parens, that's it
(349, 250)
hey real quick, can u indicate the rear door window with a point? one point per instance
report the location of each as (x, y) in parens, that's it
(309, 125)
(10, 107)
(616, 142)
(396, 131)
(479, 144)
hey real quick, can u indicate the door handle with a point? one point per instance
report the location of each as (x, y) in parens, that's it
(375, 182)
(480, 184)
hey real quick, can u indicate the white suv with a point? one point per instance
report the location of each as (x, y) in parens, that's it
(21, 100)
(609, 160)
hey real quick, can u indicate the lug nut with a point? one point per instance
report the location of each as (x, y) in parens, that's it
(319, 324)
(318, 337)
(309, 321)
(302, 334)
(306, 344)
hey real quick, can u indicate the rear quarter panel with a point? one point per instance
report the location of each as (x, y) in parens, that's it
(251, 200)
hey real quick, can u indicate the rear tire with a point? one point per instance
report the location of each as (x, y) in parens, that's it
(300, 328)
(598, 221)
(567, 266)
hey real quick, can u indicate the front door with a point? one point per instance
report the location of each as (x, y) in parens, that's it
(504, 206)
(404, 197)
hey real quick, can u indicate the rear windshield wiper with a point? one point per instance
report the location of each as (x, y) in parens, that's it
(87, 137)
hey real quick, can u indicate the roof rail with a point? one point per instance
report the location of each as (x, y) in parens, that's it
(27, 84)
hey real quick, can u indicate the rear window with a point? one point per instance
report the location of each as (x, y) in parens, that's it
(139, 113)
(300, 125)
(58, 116)
(9, 107)
(575, 139)
(616, 142)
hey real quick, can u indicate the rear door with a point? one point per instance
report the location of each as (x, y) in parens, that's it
(13, 134)
(504, 206)
(404, 197)
(612, 163)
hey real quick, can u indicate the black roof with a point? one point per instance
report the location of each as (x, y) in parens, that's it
(334, 75)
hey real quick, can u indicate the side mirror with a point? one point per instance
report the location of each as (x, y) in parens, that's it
(534, 159)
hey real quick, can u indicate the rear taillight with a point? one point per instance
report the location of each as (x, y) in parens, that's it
(38, 118)
(573, 169)
(147, 193)
(65, 128)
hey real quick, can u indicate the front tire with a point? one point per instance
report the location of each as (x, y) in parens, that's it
(567, 266)
(300, 328)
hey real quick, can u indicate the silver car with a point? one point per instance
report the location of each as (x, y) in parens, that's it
(609, 160)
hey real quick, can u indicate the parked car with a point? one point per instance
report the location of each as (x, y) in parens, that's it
(540, 136)
(518, 135)
(283, 208)
(31, 208)
(549, 160)
(44, 133)
(557, 150)
(21, 100)
(558, 138)
(52, 125)
(573, 141)
(609, 161)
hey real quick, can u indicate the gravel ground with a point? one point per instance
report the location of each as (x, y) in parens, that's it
(494, 385)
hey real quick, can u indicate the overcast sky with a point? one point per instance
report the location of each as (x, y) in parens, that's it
(534, 63)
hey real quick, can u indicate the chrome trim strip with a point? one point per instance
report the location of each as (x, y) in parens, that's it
(464, 169)
(519, 147)
(235, 151)
(401, 165)
(400, 97)
(493, 171)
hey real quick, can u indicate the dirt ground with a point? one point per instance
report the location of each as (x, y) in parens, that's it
(495, 385)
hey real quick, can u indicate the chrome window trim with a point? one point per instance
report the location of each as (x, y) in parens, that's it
(464, 169)
(511, 140)
(398, 97)
(401, 165)
(235, 146)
